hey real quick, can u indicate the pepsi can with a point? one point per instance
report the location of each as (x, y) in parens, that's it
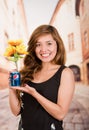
(15, 79)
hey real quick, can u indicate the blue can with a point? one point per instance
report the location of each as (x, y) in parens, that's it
(15, 79)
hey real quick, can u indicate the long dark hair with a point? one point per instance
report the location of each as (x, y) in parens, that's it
(31, 63)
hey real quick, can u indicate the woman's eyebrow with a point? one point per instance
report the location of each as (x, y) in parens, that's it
(50, 41)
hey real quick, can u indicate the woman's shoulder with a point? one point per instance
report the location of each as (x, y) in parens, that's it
(67, 70)
(67, 74)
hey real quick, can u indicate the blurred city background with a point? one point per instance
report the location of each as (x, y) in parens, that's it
(71, 18)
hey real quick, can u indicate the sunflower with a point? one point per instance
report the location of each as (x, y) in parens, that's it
(15, 50)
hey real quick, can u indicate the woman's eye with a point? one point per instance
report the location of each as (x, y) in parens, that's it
(37, 44)
(49, 43)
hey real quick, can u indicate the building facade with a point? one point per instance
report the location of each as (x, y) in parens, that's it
(13, 23)
(71, 24)
(84, 24)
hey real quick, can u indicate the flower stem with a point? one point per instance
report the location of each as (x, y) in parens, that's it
(16, 65)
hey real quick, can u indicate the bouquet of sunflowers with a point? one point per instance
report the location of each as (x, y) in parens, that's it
(15, 50)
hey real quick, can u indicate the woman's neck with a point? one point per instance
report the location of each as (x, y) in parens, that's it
(49, 66)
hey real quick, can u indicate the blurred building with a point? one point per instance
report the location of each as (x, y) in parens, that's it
(71, 18)
(84, 26)
(13, 23)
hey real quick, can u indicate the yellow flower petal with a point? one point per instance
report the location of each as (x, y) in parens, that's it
(15, 42)
(10, 50)
(21, 49)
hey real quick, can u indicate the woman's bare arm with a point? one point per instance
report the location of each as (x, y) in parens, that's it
(14, 102)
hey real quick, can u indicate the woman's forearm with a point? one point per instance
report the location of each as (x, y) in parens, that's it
(53, 109)
(14, 102)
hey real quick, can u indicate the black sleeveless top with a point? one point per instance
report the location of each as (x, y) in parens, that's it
(34, 117)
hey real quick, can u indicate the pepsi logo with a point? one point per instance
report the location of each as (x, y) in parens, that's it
(15, 76)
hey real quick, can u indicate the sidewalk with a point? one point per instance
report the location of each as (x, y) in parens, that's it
(78, 115)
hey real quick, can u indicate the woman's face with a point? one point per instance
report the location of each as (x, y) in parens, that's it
(46, 48)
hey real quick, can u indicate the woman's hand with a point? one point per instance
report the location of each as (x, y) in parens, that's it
(26, 88)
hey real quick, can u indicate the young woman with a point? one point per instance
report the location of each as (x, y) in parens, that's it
(47, 84)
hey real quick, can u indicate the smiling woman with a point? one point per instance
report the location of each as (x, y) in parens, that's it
(45, 81)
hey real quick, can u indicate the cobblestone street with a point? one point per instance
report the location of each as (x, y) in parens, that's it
(78, 115)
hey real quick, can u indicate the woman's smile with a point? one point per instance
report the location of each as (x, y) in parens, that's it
(45, 55)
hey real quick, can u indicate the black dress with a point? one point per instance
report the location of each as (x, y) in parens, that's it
(34, 117)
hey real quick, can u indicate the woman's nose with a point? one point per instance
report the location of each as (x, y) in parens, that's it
(43, 48)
